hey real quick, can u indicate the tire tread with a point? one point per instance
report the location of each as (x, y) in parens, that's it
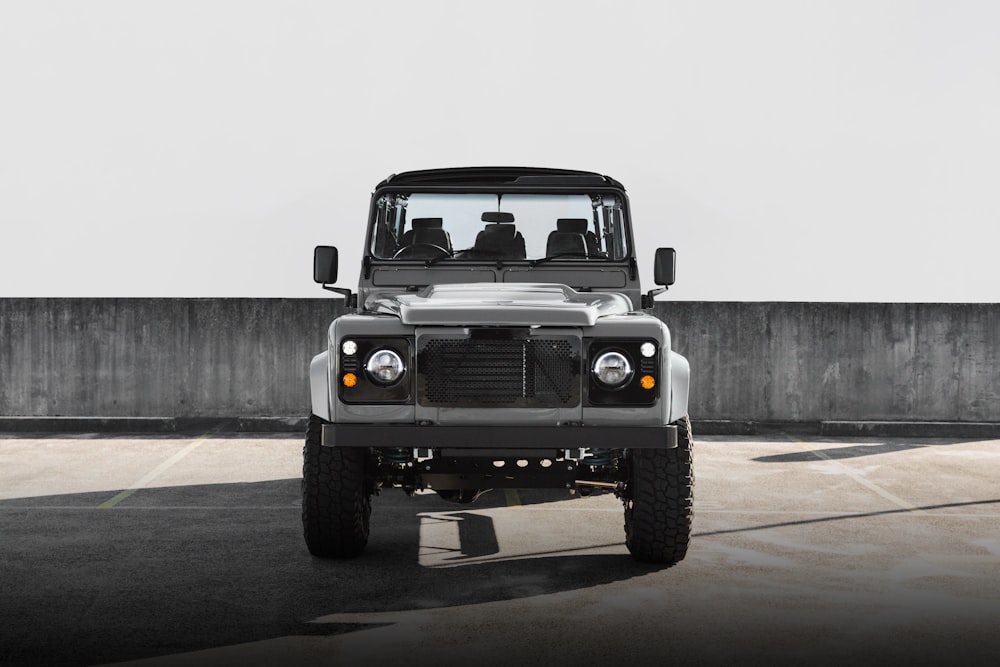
(659, 506)
(336, 500)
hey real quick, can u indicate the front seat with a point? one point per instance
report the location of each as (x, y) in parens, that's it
(427, 231)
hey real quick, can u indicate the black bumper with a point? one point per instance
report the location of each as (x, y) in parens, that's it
(503, 437)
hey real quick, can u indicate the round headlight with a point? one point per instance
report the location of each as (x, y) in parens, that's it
(385, 366)
(612, 369)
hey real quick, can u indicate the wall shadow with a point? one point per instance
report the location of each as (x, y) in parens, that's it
(857, 450)
(186, 434)
(846, 517)
(179, 569)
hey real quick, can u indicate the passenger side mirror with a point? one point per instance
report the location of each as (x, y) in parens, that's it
(664, 266)
(325, 264)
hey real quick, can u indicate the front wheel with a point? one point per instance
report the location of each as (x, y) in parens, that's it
(659, 500)
(336, 496)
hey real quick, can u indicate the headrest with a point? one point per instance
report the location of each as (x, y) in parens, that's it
(426, 223)
(575, 225)
(498, 230)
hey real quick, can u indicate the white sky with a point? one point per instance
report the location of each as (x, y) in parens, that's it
(841, 150)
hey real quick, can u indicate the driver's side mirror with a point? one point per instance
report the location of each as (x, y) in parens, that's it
(325, 272)
(325, 264)
(664, 266)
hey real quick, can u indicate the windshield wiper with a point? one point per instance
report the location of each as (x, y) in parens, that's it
(536, 262)
(434, 260)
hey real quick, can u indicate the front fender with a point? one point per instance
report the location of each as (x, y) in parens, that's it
(319, 385)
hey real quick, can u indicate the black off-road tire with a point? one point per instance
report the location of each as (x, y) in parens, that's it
(659, 500)
(336, 496)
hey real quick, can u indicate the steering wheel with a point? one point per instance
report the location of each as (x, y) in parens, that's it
(405, 251)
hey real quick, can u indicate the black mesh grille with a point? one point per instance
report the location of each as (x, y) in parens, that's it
(530, 372)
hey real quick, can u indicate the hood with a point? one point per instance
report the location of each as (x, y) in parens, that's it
(515, 304)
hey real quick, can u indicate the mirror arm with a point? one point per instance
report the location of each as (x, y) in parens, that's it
(649, 298)
(343, 291)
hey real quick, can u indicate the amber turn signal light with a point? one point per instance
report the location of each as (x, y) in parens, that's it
(647, 382)
(350, 379)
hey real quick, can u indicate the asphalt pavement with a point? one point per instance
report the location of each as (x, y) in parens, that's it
(187, 549)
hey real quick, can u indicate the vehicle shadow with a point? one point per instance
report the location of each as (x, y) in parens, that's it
(179, 569)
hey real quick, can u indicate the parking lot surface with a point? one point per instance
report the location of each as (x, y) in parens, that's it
(187, 549)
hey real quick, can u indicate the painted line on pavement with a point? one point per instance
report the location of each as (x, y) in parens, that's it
(157, 471)
(853, 474)
(513, 499)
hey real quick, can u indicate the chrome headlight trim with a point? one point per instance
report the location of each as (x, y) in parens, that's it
(385, 366)
(612, 369)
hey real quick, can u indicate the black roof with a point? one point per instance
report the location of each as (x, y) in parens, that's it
(498, 176)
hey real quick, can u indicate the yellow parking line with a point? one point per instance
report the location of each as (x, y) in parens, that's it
(156, 472)
(108, 504)
(513, 500)
(868, 484)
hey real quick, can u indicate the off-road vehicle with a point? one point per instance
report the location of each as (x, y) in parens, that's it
(498, 339)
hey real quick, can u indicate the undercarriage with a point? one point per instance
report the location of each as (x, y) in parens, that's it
(478, 470)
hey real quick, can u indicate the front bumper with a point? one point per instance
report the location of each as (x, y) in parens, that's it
(487, 436)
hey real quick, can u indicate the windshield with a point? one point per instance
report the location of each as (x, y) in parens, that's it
(455, 227)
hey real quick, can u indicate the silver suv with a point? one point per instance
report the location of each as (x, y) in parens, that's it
(498, 339)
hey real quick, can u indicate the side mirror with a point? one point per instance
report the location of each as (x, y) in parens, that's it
(325, 264)
(664, 266)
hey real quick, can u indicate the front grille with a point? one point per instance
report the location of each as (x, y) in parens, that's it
(502, 371)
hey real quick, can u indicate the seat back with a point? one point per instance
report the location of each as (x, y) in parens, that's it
(579, 226)
(565, 242)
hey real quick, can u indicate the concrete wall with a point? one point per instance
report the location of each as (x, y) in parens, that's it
(249, 358)
(159, 357)
(840, 361)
